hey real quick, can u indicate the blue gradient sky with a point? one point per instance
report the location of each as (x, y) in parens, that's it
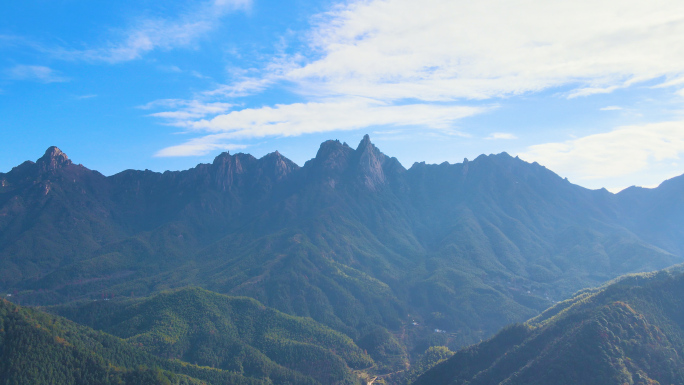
(591, 89)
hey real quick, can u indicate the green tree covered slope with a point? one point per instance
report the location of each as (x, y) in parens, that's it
(630, 331)
(40, 348)
(237, 334)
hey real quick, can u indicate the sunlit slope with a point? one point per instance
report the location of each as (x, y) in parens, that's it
(628, 332)
(237, 334)
(40, 348)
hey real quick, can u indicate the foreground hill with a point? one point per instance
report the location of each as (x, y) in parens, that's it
(237, 334)
(628, 332)
(352, 239)
(39, 348)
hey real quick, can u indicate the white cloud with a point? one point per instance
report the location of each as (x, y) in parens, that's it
(611, 108)
(448, 49)
(149, 34)
(623, 151)
(243, 87)
(501, 135)
(36, 73)
(305, 118)
(344, 114)
(200, 146)
(183, 110)
(407, 63)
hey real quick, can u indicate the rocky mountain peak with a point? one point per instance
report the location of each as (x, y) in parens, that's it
(228, 168)
(277, 165)
(370, 163)
(333, 155)
(365, 143)
(222, 158)
(53, 159)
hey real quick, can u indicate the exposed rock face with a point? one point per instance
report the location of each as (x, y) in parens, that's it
(336, 162)
(53, 159)
(332, 157)
(228, 170)
(371, 162)
(276, 166)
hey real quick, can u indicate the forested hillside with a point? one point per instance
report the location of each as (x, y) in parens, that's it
(628, 332)
(237, 334)
(39, 348)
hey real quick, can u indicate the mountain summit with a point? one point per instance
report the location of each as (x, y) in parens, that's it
(53, 159)
(370, 164)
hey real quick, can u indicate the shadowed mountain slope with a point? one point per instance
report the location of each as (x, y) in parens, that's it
(628, 332)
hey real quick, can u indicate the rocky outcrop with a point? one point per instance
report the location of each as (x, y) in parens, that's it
(370, 164)
(52, 160)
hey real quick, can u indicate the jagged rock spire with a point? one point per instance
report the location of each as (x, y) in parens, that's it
(371, 161)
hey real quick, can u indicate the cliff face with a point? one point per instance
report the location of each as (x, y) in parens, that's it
(370, 164)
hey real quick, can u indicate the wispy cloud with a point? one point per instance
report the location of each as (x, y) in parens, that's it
(401, 63)
(611, 108)
(623, 151)
(145, 35)
(242, 87)
(501, 135)
(198, 75)
(184, 110)
(306, 118)
(170, 68)
(315, 117)
(36, 73)
(445, 50)
(200, 146)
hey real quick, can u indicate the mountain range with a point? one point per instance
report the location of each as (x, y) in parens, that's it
(397, 260)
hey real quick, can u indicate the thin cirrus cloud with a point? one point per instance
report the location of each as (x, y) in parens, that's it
(501, 135)
(315, 117)
(307, 118)
(146, 35)
(367, 58)
(35, 73)
(623, 151)
(183, 110)
(200, 146)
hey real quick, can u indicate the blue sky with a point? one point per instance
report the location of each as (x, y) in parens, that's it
(591, 89)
